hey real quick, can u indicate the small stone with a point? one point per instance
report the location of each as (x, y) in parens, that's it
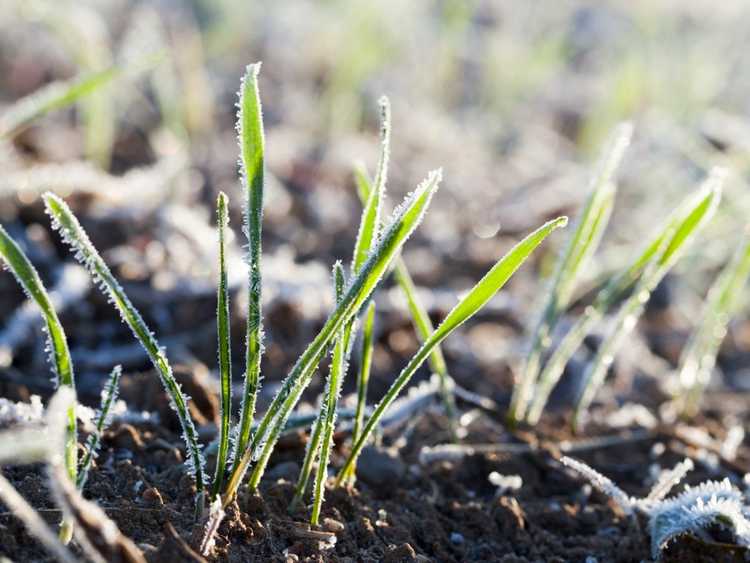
(380, 468)
(332, 525)
(152, 497)
(456, 538)
(287, 470)
(400, 554)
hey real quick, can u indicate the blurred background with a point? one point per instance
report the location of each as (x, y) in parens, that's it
(512, 99)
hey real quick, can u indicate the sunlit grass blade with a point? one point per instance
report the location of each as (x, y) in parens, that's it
(62, 364)
(109, 396)
(73, 234)
(612, 292)
(331, 397)
(582, 244)
(363, 378)
(225, 356)
(700, 210)
(699, 356)
(406, 218)
(252, 169)
(51, 97)
(472, 302)
(420, 317)
(313, 445)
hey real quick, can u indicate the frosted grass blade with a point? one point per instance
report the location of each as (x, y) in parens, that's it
(582, 244)
(699, 356)
(472, 302)
(62, 364)
(406, 218)
(313, 449)
(51, 97)
(225, 355)
(109, 396)
(73, 234)
(701, 209)
(328, 412)
(252, 168)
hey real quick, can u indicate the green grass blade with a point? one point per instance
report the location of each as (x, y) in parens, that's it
(51, 97)
(406, 219)
(699, 356)
(373, 203)
(613, 291)
(582, 244)
(313, 444)
(109, 397)
(225, 355)
(328, 412)
(73, 234)
(701, 209)
(477, 297)
(252, 157)
(28, 278)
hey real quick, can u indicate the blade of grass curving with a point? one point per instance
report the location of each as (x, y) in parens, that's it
(73, 234)
(62, 364)
(476, 298)
(582, 244)
(420, 317)
(406, 218)
(252, 167)
(225, 356)
(699, 356)
(613, 292)
(313, 445)
(109, 396)
(53, 96)
(328, 412)
(701, 209)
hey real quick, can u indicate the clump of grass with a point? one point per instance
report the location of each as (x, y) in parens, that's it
(699, 356)
(582, 244)
(475, 299)
(659, 254)
(698, 211)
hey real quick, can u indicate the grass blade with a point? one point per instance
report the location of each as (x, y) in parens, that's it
(73, 234)
(313, 445)
(613, 291)
(252, 159)
(53, 96)
(109, 396)
(406, 218)
(583, 242)
(328, 412)
(62, 364)
(225, 355)
(479, 295)
(700, 210)
(699, 357)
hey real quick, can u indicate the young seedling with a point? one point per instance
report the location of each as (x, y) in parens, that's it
(62, 364)
(583, 242)
(701, 209)
(73, 234)
(328, 412)
(109, 397)
(699, 357)
(476, 298)
(406, 218)
(363, 377)
(615, 290)
(252, 169)
(225, 356)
